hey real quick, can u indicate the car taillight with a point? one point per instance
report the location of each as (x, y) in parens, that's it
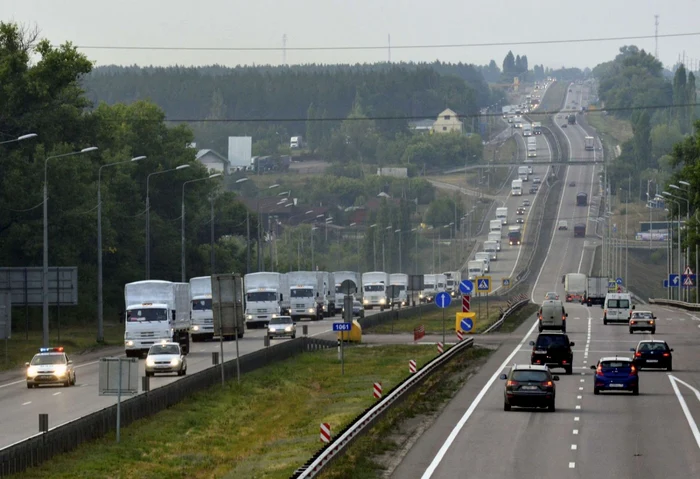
(511, 383)
(605, 311)
(633, 322)
(563, 317)
(633, 371)
(666, 355)
(599, 371)
(637, 355)
(547, 384)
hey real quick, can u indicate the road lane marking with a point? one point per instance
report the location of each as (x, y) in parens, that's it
(572, 465)
(688, 416)
(576, 418)
(26, 403)
(56, 394)
(574, 447)
(582, 380)
(578, 406)
(580, 388)
(472, 407)
(575, 431)
(579, 397)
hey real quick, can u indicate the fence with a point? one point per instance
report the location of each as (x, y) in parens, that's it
(66, 437)
(675, 304)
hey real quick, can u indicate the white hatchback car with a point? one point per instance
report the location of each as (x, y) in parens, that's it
(166, 358)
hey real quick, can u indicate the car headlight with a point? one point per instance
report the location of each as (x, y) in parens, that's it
(420, 295)
(60, 370)
(312, 310)
(250, 316)
(175, 361)
(129, 343)
(366, 301)
(150, 362)
(275, 315)
(382, 301)
(31, 371)
(288, 329)
(195, 328)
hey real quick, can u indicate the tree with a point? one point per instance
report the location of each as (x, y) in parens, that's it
(680, 97)
(509, 65)
(641, 128)
(691, 98)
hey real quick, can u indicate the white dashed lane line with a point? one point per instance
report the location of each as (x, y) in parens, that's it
(26, 403)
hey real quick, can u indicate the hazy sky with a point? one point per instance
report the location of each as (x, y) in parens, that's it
(355, 23)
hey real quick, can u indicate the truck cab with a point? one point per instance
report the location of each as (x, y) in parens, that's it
(514, 236)
(374, 290)
(475, 269)
(486, 258)
(202, 316)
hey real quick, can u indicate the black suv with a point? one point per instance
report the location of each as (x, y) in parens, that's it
(553, 350)
(653, 353)
(529, 386)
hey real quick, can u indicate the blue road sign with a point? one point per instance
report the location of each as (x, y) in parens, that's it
(673, 280)
(611, 284)
(665, 283)
(443, 300)
(342, 326)
(506, 281)
(618, 281)
(466, 324)
(484, 285)
(466, 286)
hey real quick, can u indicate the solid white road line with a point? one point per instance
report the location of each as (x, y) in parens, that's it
(688, 416)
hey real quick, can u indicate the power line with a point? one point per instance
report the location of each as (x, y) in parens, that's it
(383, 47)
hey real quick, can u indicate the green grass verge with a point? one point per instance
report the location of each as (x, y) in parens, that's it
(363, 459)
(76, 339)
(266, 426)
(514, 321)
(613, 130)
(432, 321)
(552, 100)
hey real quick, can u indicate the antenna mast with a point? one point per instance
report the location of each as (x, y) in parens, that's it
(284, 49)
(389, 48)
(656, 36)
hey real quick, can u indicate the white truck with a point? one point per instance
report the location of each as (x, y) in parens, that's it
(495, 236)
(341, 276)
(523, 173)
(264, 293)
(495, 226)
(374, 289)
(399, 286)
(475, 269)
(156, 311)
(502, 214)
(486, 258)
(531, 148)
(200, 303)
(575, 285)
(227, 305)
(516, 187)
(429, 288)
(527, 129)
(588, 143)
(453, 280)
(305, 292)
(441, 282)
(328, 293)
(296, 142)
(491, 247)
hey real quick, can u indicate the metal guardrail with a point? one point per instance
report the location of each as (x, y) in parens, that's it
(42, 447)
(675, 304)
(513, 305)
(366, 419)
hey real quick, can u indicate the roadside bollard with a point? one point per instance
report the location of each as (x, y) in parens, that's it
(305, 330)
(267, 340)
(339, 352)
(145, 384)
(43, 422)
(215, 357)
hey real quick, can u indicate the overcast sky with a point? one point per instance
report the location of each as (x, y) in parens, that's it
(358, 23)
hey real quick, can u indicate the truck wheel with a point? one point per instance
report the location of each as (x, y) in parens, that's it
(240, 335)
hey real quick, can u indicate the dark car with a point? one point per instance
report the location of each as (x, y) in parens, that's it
(529, 386)
(653, 353)
(520, 221)
(615, 374)
(533, 190)
(572, 183)
(520, 211)
(563, 125)
(553, 350)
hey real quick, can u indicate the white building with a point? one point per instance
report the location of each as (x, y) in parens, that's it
(213, 161)
(447, 122)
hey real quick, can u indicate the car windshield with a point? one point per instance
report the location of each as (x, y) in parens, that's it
(428, 286)
(281, 320)
(41, 359)
(643, 315)
(554, 341)
(374, 288)
(164, 349)
(201, 305)
(619, 303)
(356, 304)
(301, 293)
(147, 315)
(262, 296)
(526, 375)
(615, 364)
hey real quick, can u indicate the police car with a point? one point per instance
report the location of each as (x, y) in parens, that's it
(50, 366)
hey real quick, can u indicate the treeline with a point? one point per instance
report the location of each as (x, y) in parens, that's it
(518, 66)
(634, 87)
(41, 95)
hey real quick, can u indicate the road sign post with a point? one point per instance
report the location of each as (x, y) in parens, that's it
(466, 303)
(443, 300)
(342, 327)
(116, 379)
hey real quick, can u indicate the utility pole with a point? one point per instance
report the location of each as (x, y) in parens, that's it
(389, 48)
(284, 49)
(213, 254)
(656, 36)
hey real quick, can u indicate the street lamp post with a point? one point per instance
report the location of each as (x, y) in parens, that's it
(687, 220)
(100, 305)
(45, 275)
(400, 262)
(261, 250)
(247, 227)
(148, 215)
(667, 194)
(183, 275)
(19, 138)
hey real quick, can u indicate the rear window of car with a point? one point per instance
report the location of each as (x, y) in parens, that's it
(615, 364)
(530, 376)
(653, 347)
(642, 315)
(552, 341)
(619, 303)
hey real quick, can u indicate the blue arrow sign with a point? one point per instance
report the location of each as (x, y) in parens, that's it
(466, 324)
(466, 286)
(484, 285)
(342, 326)
(618, 281)
(673, 280)
(443, 300)
(665, 283)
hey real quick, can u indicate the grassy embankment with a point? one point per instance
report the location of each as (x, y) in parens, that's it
(266, 426)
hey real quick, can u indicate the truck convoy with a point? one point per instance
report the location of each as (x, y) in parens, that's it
(527, 129)
(588, 143)
(486, 258)
(537, 128)
(495, 226)
(475, 269)
(574, 287)
(516, 187)
(156, 311)
(453, 280)
(399, 287)
(341, 276)
(523, 173)
(374, 290)
(200, 303)
(327, 293)
(495, 236)
(502, 214)
(429, 288)
(264, 295)
(491, 247)
(305, 292)
(531, 147)
(597, 289)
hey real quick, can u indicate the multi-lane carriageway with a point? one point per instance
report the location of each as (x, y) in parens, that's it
(652, 435)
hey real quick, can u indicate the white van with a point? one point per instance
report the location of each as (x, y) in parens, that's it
(495, 236)
(617, 308)
(491, 248)
(552, 316)
(483, 255)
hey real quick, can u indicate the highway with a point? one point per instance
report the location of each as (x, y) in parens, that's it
(647, 436)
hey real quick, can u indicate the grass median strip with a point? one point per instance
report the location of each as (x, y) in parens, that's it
(266, 426)
(432, 321)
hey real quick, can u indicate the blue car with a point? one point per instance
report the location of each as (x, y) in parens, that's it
(616, 374)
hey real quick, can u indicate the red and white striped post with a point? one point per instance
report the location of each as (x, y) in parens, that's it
(325, 432)
(377, 390)
(412, 366)
(460, 335)
(440, 348)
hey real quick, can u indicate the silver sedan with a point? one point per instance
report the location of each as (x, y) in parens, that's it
(281, 327)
